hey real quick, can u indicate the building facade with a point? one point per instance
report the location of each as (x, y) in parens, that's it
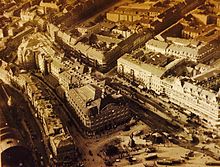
(182, 48)
(186, 94)
(96, 110)
(47, 110)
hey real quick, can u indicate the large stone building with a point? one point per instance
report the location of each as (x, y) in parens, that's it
(138, 12)
(98, 45)
(97, 109)
(182, 48)
(185, 93)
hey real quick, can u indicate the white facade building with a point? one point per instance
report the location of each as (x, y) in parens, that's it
(192, 97)
(182, 48)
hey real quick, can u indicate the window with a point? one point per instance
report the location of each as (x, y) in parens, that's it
(9, 142)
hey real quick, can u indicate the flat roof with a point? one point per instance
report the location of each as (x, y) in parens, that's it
(158, 71)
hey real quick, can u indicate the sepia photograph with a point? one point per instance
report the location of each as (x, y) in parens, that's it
(109, 83)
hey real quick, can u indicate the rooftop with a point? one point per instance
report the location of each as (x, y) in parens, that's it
(137, 64)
